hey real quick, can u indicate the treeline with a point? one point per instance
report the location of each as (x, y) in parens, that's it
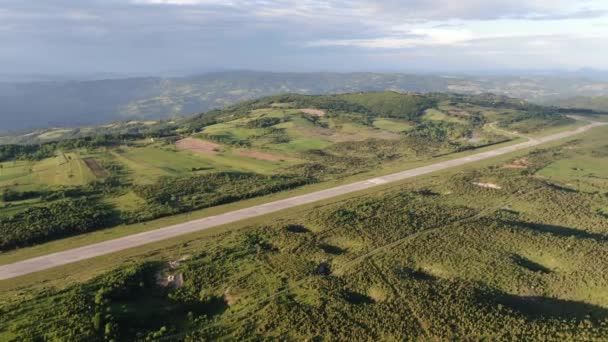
(26, 152)
(75, 210)
(392, 104)
(36, 152)
(9, 195)
(189, 193)
(439, 131)
(263, 122)
(55, 220)
(88, 311)
(534, 120)
(46, 150)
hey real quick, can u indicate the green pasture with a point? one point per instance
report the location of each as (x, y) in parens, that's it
(62, 170)
(391, 125)
(148, 163)
(437, 115)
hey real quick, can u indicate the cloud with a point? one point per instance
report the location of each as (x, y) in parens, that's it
(154, 35)
(184, 2)
(414, 38)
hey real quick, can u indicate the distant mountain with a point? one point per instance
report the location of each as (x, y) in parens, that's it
(32, 105)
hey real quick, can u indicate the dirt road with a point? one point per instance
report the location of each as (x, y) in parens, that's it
(73, 255)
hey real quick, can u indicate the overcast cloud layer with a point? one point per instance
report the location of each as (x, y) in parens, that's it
(153, 36)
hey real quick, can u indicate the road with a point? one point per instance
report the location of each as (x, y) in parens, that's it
(111, 246)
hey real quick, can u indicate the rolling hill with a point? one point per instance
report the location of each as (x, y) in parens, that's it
(43, 105)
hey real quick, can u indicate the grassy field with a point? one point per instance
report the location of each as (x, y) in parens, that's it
(392, 125)
(66, 169)
(587, 171)
(403, 260)
(437, 115)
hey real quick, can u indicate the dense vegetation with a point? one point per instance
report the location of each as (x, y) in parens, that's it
(45, 150)
(173, 195)
(58, 219)
(440, 258)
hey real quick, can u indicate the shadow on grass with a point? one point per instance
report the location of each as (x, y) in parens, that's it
(558, 230)
(296, 228)
(552, 308)
(331, 249)
(560, 187)
(357, 298)
(417, 274)
(529, 264)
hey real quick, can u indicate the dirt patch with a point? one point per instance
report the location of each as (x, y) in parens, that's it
(198, 146)
(168, 277)
(385, 135)
(488, 185)
(312, 111)
(173, 280)
(232, 296)
(517, 164)
(94, 166)
(475, 138)
(259, 155)
(378, 293)
(459, 113)
(337, 136)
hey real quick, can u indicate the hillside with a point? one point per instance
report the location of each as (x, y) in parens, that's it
(142, 172)
(513, 250)
(42, 105)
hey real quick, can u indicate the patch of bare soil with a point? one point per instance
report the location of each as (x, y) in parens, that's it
(232, 296)
(475, 138)
(198, 146)
(94, 166)
(338, 137)
(259, 155)
(488, 185)
(312, 111)
(167, 276)
(459, 113)
(385, 135)
(166, 280)
(517, 164)
(343, 137)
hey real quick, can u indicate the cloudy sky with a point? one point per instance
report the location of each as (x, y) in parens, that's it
(154, 36)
